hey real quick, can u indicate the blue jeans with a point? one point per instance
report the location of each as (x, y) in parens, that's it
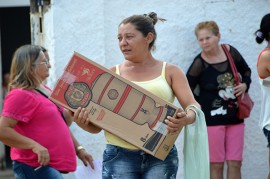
(23, 171)
(120, 163)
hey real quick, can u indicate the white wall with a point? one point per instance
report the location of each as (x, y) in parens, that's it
(11, 3)
(90, 28)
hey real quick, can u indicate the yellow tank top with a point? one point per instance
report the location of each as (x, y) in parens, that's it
(158, 87)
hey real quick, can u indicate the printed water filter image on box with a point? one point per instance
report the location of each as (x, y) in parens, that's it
(116, 105)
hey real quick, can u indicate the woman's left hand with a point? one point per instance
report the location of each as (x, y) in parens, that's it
(80, 116)
(240, 89)
(85, 157)
(182, 119)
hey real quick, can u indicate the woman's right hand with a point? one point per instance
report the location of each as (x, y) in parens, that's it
(42, 153)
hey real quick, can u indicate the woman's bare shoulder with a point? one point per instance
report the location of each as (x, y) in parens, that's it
(172, 68)
(113, 68)
(266, 54)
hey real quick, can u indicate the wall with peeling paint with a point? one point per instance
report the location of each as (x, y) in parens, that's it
(90, 28)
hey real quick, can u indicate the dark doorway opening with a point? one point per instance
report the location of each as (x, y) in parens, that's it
(15, 31)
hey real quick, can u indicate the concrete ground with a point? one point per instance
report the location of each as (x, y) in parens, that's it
(6, 174)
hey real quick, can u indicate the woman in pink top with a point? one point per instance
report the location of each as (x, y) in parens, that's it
(36, 129)
(263, 68)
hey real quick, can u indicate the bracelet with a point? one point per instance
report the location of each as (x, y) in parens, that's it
(79, 148)
(191, 107)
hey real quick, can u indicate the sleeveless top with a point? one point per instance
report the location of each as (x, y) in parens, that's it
(158, 87)
(265, 103)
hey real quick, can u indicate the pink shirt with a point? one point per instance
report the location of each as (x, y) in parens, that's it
(40, 119)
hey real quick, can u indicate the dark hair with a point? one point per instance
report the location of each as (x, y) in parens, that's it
(263, 32)
(144, 23)
(43, 49)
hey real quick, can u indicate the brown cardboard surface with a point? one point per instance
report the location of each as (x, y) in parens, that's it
(116, 105)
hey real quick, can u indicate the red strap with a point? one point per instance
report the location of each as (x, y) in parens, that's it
(233, 67)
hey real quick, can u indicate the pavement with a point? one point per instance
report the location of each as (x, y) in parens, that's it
(6, 174)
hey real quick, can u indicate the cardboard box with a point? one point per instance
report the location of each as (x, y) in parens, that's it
(116, 105)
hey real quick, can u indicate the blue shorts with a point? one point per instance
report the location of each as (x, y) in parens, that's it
(23, 171)
(120, 163)
(267, 135)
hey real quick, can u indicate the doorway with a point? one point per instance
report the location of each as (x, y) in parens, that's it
(14, 32)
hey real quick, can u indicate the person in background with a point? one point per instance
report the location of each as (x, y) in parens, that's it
(211, 80)
(36, 129)
(263, 69)
(136, 39)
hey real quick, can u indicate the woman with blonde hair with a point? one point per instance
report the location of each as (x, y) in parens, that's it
(212, 82)
(36, 129)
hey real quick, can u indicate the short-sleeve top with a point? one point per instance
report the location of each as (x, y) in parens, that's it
(40, 119)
